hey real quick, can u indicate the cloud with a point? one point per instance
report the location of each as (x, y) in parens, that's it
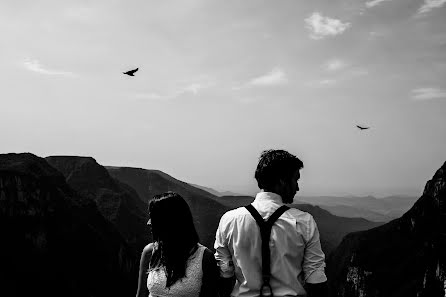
(327, 82)
(322, 83)
(273, 78)
(346, 75)
(375, 34)
(321, 27)
(193, 88)
(151, 96)
(84, 14)
(430, 4)
(334, 65)
(247, 100)
(374, 3)
(35, 66)
(357, 72)
(428, 93)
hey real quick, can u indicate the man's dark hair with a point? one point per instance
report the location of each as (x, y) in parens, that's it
(174, 232)
(276, 165)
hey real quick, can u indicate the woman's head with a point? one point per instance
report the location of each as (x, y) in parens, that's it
(171, 219)
(174, 231)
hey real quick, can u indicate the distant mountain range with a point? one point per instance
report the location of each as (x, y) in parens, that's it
(215, 192)
(353, 212)
(206, 211)
(405, 257)
(79, 227)
(368, 207)
(208, 208)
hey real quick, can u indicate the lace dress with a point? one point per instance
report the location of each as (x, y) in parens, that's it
(188, 286)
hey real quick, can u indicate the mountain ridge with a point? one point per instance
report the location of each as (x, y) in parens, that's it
(206, 211)
(405, 257)
(53, 233)
(117, 202)
(148, 182)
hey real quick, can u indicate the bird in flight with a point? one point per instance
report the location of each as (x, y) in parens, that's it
(362, 128)
(131, 72)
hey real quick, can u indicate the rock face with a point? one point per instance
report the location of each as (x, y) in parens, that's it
(117, 202)
(405, 257)
(55, 242)
(206, 211)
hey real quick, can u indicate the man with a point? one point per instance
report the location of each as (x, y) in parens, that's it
(296, 258)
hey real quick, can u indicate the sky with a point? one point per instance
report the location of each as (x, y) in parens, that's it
(221, 81)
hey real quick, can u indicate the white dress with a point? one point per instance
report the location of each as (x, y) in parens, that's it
(188, 286)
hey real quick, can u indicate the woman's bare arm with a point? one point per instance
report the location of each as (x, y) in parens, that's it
(143, 266)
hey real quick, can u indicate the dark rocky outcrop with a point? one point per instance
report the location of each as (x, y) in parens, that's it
(405, 257)
(206, 211)
(119, 203)
(55, 242)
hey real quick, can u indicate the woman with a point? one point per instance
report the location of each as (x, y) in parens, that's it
(175, 264)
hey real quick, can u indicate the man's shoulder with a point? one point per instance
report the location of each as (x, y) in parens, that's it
(300, 215)
(235, 213)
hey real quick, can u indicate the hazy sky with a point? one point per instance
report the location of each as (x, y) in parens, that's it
(220, 81)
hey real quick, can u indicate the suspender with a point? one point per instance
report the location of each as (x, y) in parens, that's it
(265, 232)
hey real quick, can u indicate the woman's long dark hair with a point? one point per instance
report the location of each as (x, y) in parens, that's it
(174, 233)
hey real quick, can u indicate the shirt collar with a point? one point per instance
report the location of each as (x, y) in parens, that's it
(269, 196)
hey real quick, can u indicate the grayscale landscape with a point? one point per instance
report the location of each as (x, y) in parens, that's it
(104, 104)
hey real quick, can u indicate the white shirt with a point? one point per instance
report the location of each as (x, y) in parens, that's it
(296, 254)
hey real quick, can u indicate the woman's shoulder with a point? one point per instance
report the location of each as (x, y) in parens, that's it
(148, 250)
(204, 249)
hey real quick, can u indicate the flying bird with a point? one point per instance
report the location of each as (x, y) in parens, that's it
(362, 128)
(131, 72)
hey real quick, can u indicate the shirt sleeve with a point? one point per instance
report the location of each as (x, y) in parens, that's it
(222, 252)
(314, 258)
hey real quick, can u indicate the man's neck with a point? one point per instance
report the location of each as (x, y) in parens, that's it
(273, 191)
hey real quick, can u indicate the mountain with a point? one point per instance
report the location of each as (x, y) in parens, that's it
(235, 201)
(215, 192)
(353, 212)
(117, 202)
(391, 207)
(333, 228)
(206, 211)
(55, 242)
(405, 257)
(337, 210)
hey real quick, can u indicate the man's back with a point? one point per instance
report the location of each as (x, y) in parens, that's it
(294, 244)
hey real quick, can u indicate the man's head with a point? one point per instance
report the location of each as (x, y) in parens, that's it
(278, 172)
